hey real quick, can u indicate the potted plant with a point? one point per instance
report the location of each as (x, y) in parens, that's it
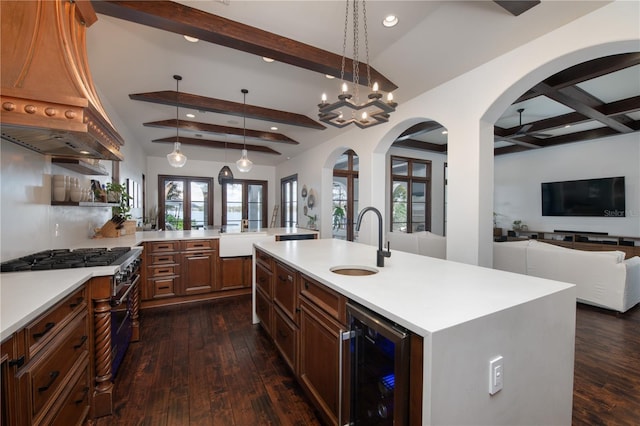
(117, 193)
(338, 217)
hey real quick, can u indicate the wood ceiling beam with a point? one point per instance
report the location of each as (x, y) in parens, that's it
(420, 145)
(185, 20)
(586, 71)
(202, 103)
(517, 7)
(418, 129)
(207, 143)
(221, 130)
(581, 107)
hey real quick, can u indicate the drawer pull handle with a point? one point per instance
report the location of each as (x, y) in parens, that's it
(52, 378)
(77, 302)
(164, 271)
(298, 310)
(82, 340)
(164, 259)
(163, 247)
(47, 327)
(283, 334)
(306, 285)
(19, 362)
(85, 392)
(166, 287)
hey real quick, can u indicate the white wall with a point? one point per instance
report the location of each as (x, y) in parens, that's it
(518, 176)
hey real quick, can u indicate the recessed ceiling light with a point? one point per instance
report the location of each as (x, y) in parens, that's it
(191, 39)
(191, 115)
(390, 21)
(330, 77)
(264, 58)
(84, 152)
(274, 128)
(444, 132)
(567, 126)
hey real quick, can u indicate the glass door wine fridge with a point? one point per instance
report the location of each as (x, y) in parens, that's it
(378, 369)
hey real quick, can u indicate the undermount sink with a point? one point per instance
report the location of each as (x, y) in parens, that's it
(354, 270)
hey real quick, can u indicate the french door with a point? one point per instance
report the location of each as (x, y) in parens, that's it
(185, 203)
(244, 200)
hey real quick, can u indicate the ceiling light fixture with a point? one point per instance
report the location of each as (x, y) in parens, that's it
(225, 174)
(244, 164)
(176, 158)
(390, 21)
(268, 60)
(191, 39)
(370, 113)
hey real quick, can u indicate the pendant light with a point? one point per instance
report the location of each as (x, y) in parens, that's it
(225, 174)
(244, 164)
(176, 158)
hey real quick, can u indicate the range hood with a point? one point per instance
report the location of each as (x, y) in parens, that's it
(48, 102)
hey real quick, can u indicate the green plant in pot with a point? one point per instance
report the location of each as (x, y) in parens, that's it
(118, 193)
(338, 217)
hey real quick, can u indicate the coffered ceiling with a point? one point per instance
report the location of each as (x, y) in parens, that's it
(135, 48)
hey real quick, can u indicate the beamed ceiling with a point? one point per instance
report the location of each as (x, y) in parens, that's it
(136, 47)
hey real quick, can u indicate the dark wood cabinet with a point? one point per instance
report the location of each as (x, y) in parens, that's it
(320, 369)
(198, 273)
(285, 337)
(285, 290)
(46, 374)
(235, 272)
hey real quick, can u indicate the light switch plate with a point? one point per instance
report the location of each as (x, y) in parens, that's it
(496, 375)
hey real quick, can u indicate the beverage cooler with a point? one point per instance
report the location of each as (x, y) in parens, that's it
(377, 369)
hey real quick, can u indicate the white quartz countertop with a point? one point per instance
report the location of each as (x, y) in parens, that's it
(420, 293)
(26, 295)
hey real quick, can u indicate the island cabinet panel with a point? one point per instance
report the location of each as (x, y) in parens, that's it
(235, 272)
(198, 273)
(285, 337)
(320, 361)
(264, 310)
(46, 378)
(285, 291)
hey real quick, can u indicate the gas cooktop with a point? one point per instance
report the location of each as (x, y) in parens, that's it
(65, 259)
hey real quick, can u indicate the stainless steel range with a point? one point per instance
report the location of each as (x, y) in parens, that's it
(126, 262)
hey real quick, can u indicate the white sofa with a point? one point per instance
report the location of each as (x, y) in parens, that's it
(424, 243)
(602, 278)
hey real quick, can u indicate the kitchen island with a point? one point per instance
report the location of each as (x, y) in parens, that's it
(467, 316)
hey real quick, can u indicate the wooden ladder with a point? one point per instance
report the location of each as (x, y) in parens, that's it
(274, 216)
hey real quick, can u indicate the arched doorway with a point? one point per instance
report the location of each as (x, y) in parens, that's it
(345, 195)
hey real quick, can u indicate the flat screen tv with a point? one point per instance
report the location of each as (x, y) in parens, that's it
(603, 197)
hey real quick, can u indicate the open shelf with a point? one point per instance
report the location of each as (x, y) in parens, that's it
(80, 166)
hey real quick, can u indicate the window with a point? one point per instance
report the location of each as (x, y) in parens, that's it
(185, 202)
(289, 201)
(244, 200)
(345, 195)
(410, 194)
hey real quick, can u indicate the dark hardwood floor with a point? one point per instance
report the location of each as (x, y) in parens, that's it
(206, 364)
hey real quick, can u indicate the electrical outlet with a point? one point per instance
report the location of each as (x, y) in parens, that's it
(496, 375)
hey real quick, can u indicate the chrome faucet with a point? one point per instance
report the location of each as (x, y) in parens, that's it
(381, 254)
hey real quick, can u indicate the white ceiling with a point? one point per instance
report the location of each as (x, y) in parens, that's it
(434, 42)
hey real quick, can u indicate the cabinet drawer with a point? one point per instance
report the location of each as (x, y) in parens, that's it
(325, 298)
(285, 336)
(162, 271)
(163, 246)
(264, 259)
(163, 287)
(75, 407)
(43, 329)
(263, 280)
(285, 292)
(163, 259)
(199, 245)
(49, 374)
(264, 310)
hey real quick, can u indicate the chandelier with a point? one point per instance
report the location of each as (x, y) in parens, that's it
(176, 158)
(348, 109)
